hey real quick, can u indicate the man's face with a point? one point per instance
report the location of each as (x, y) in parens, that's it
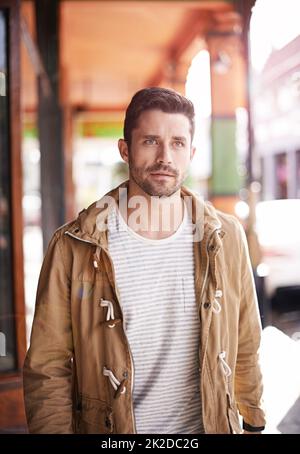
(160, 152)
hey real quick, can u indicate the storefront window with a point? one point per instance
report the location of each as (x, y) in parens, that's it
(7, 320)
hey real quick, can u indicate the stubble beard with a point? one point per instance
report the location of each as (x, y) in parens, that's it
(155, 188)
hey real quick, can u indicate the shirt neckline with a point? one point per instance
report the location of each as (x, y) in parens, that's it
(149, 240)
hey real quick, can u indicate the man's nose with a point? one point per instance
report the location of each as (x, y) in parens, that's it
(164, 154)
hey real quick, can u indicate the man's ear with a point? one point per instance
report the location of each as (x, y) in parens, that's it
(123, 149)
(193, 150)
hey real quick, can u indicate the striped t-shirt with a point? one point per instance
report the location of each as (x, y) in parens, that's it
(155, 279)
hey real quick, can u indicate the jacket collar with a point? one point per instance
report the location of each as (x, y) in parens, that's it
(86, 226)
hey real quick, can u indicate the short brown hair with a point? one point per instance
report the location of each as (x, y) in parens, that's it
(163, 99)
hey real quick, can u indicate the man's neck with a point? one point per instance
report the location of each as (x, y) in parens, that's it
(151, 216)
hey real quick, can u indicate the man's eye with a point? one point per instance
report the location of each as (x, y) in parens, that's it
(150, 142)
(179, 144)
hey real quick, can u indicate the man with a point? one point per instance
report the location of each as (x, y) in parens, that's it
(146, 317)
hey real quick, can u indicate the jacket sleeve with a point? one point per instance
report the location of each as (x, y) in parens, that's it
(47, 368)
(248, 378)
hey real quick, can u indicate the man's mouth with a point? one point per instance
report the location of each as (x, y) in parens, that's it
(162, 174)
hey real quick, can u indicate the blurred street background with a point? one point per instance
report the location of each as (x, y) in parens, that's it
(68, 69)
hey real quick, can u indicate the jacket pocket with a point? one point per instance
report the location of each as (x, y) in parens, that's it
(94, 417)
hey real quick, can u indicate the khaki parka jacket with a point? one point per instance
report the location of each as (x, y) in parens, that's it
(78, 372)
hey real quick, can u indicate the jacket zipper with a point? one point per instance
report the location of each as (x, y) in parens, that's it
(118, 298)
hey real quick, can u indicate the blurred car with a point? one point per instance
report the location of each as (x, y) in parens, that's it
(278, 230)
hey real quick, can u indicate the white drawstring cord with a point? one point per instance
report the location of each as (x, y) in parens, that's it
(110, 311)
(225, 367)
(114, 381)
(216, 306)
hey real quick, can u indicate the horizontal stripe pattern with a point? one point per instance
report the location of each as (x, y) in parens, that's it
(155, 280)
